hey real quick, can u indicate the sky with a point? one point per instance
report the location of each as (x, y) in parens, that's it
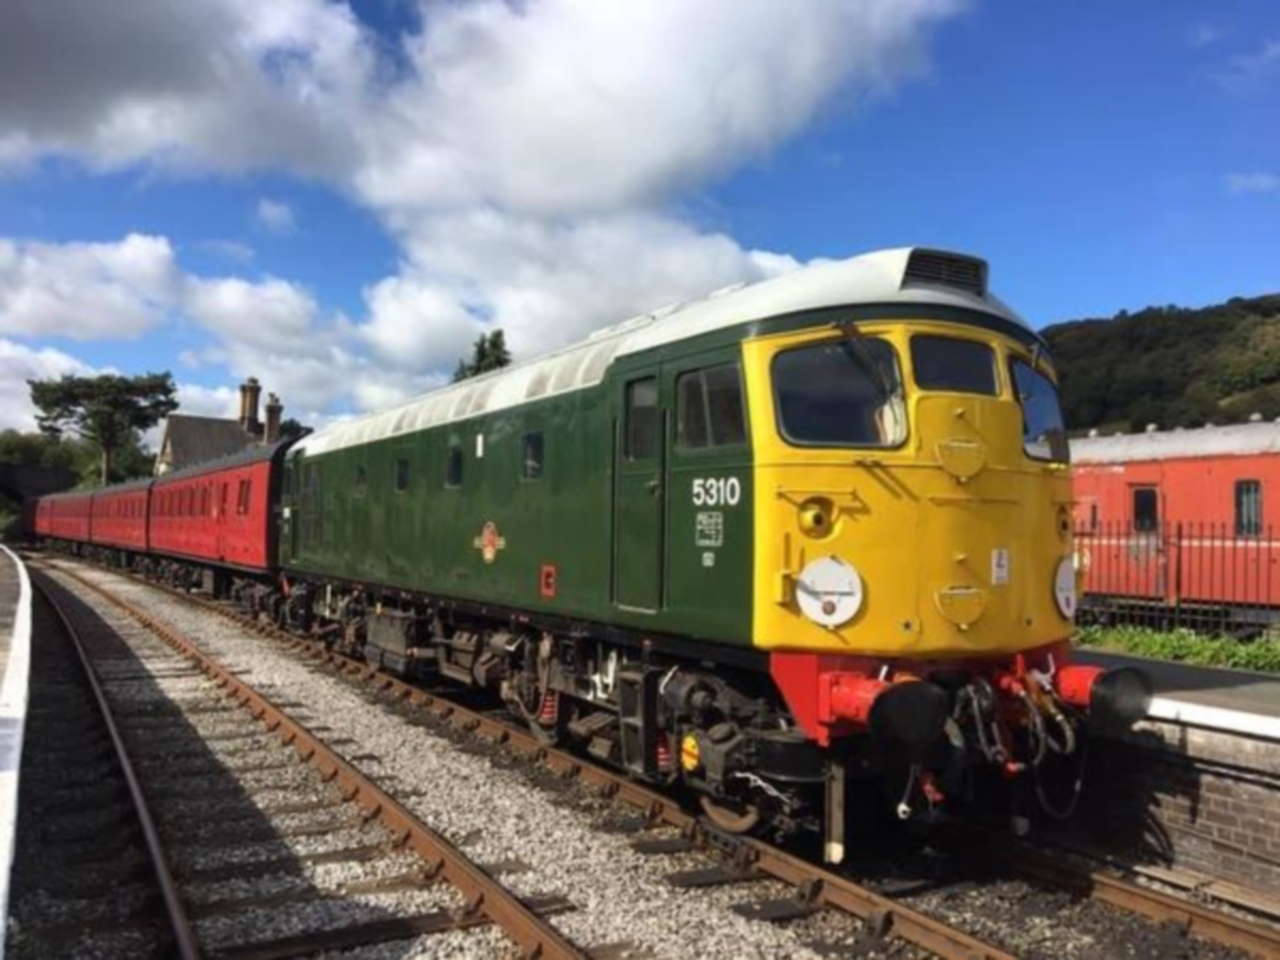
(338, 197)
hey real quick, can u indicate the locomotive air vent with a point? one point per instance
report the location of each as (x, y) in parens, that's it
(936, 268)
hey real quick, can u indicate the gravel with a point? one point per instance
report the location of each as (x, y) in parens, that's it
(495, 809)
(242, 818)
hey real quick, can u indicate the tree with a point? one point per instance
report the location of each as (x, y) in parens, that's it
(108, 410)
(489, 352)
(291, 429)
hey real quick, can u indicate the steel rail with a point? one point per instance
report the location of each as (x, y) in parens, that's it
(817, 886)
(827, 889)
(184, 938)
(1106, 886)
(482, 893)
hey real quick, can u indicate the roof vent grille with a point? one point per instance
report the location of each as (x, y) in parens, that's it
(936, 268)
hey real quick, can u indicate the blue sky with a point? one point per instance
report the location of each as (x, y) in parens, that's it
(343, 222)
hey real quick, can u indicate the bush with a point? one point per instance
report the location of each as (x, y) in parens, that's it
(1187, 646)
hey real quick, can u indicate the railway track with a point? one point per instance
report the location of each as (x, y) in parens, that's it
(261, 841)
(745, 859)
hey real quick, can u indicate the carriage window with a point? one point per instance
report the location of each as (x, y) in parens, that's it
(642, 419)
(840, 393)
(947, 363)
(453, 469)
(1093, 516)
(402, 473)
(1248, 508)
(1044, 437)
(531, 456)
(1146, 511)
(709, 408)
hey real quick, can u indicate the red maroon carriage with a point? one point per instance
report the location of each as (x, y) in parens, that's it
(119, 516)
(218, 511)
(1176, 526)
(65, 516)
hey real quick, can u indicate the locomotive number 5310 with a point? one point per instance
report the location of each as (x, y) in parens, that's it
(716, 491)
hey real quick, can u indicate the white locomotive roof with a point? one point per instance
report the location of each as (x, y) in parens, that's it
(879, 277)
(1237, 439)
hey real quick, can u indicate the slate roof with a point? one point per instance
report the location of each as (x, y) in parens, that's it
(189, 440)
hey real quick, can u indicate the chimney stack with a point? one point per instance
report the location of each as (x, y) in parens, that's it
(249, 394)
(274, 409)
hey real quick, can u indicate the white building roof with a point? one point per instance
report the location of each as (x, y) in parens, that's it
(880, 277)
(1236, 439)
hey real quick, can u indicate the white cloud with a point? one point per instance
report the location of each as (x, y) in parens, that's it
(1251, 72)
(220, 84)
(232, 250)
(1203, 34)
(1252, 182)
(86, 290)
(275, 215)
(20, 363)
(525, 155)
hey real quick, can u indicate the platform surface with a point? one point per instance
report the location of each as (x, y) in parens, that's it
(15, 659)
(1238, 700)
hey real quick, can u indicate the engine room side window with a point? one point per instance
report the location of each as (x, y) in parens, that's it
(402, 474)
(1044, 436)
(949, 363)
(453, 468)
(845, 393)
(709, 408)
(642, 419)
(531, 456)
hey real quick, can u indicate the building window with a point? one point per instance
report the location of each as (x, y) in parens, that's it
(453, 468)
(642, 419)
(1146, 510)
(531, 456)
(402, 474)
(1248, 508)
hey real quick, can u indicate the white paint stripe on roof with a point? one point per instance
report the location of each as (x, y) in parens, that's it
(1237, 439)
(13, 719)
(876, 277)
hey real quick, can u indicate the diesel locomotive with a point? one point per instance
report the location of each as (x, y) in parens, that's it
(795, 544)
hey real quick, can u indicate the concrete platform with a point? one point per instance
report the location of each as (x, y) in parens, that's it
(1236, 701)
(15, 659)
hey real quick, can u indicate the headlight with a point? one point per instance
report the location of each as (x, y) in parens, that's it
(829, 591)
(1064, 587)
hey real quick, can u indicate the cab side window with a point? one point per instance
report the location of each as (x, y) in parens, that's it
(709, 410)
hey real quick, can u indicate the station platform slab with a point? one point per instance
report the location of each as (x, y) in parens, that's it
(1236, 701)
(15, 659)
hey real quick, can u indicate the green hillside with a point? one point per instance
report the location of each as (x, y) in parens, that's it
(1170, 365)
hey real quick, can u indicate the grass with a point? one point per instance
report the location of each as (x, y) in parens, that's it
(1187, 646)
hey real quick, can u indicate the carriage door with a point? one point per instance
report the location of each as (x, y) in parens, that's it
(220, 520)
(640, 494)
(1146, 546)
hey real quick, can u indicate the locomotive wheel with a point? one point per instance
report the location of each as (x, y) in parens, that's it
(738, 818)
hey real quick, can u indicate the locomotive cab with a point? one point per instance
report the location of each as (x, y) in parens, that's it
(913, 534)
